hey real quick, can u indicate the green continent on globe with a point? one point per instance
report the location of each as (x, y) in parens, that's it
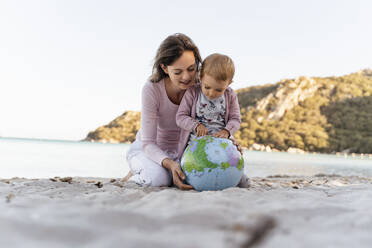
(240, 163)
(224, 145)
(199, 157)
(190, 163)
(225, 165)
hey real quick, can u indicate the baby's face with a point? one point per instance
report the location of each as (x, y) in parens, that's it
(213, 88)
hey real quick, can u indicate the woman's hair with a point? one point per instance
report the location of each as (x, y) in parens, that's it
(169, 51)
(218, 66)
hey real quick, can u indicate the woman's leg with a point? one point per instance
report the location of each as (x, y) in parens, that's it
(148, 173)
(143, 170)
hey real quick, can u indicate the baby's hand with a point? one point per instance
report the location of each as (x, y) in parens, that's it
(222, 134)
(201, 130)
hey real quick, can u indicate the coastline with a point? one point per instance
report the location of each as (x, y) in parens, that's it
(258, 148)
(254, 147)
(276, 211)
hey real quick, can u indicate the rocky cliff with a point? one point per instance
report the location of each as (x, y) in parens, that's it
(121, 130)
(329, 114)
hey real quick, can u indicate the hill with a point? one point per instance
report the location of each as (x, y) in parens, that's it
(122, 129)
(317, 114)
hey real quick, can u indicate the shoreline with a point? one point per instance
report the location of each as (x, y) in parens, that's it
(259, 148)
(276, 211)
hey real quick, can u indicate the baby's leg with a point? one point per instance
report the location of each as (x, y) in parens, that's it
(244, 182)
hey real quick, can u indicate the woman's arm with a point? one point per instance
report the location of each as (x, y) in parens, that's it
(149, 124)
(177, 173)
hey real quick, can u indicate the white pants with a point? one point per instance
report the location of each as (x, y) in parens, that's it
(145, 171)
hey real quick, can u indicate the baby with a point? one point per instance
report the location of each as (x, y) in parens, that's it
(210, 108)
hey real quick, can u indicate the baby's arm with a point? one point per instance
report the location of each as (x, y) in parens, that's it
(222, 134)
(201, 130)
(183, 117)
(233, 123)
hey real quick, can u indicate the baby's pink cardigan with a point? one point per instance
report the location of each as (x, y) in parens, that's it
(159, 133)
(185, 118)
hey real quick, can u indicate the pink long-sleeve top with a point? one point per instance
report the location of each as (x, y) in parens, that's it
(185, 117)
(159, 133)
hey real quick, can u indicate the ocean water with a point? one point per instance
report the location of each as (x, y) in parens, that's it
(33, 158)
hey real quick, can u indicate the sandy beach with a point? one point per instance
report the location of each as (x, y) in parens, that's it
(277, 211)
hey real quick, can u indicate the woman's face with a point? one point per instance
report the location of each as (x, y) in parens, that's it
(182, 72)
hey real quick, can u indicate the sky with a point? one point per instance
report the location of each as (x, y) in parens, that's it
(68, 67)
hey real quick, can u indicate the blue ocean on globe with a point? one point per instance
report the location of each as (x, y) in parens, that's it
(211, 163)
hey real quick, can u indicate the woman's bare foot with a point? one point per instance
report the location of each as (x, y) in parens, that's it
(126, 178)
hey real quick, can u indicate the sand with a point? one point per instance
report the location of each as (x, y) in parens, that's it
(278, 211)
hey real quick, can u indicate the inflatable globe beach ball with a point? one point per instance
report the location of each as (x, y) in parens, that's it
(211, 163)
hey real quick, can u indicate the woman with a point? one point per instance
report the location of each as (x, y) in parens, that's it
(152, 157)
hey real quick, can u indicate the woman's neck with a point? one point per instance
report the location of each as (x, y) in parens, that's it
(174, 93)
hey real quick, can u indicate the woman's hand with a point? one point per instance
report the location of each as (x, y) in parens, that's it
(201, 130)
(177, 173)
(237, 146)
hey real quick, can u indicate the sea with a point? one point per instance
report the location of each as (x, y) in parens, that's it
(34, 158)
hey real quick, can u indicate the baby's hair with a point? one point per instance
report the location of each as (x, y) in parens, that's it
(218, 66)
